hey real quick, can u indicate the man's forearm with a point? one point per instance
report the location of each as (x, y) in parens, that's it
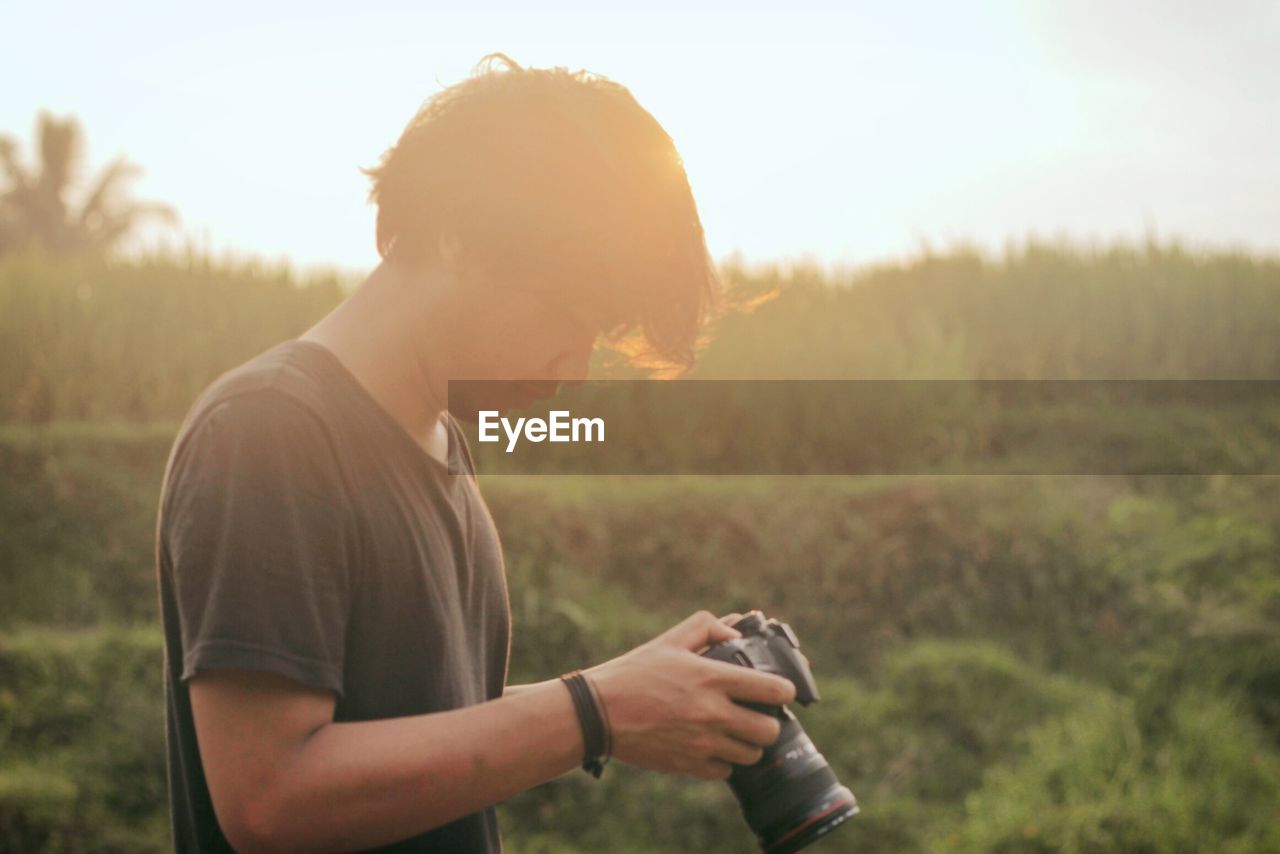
(362, 784)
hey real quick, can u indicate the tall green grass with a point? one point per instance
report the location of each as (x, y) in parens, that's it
(83, 338)
(1038, 311)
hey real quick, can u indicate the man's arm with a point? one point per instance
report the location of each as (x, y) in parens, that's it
(284, 776)
(510, 690)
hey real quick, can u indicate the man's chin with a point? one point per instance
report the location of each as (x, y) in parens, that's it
(468, 400)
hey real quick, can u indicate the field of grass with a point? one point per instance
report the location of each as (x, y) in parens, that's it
(83, 339)
(1007, 663)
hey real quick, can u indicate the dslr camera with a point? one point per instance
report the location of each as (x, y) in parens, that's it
(791, 797)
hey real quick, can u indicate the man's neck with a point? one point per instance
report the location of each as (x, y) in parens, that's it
(369, 333)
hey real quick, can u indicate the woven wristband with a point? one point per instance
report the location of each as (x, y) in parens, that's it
(595, 730)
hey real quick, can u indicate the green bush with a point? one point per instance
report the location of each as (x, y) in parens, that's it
(1094, 782)
(951, 623)
(82, 730)
(77, 523)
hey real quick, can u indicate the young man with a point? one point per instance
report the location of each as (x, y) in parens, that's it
(334, 601)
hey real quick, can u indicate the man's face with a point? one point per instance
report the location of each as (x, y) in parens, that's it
(523, 343)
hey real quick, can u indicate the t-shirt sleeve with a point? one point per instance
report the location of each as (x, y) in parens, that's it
(259, 532)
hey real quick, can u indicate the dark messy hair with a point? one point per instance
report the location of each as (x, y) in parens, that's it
(560, 181)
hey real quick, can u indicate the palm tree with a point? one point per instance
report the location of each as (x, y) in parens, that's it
(34, 207)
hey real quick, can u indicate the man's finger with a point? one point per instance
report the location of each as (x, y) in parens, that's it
(751, 726)
(754, 686)
(737, 752)
(699, 630)
(730, 619)
(713, 769)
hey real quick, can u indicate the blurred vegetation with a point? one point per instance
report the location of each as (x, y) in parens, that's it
(1012, 664)
(37, 207)
(86, 337)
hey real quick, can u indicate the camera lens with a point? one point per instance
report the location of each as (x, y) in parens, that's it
(791, 796)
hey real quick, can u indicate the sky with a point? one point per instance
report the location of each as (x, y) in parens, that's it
(842, 133)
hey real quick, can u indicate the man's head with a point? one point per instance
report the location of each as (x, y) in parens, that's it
(561, 210)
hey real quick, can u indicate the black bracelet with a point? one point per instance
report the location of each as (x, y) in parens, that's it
(604, 714)
(596, 738)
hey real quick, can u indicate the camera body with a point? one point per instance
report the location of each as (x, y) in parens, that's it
(771, 646)
(791, 796)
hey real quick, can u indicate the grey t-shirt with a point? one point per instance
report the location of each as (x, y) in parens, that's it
(303, 531)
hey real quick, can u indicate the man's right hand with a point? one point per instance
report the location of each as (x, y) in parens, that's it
(672, 710)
